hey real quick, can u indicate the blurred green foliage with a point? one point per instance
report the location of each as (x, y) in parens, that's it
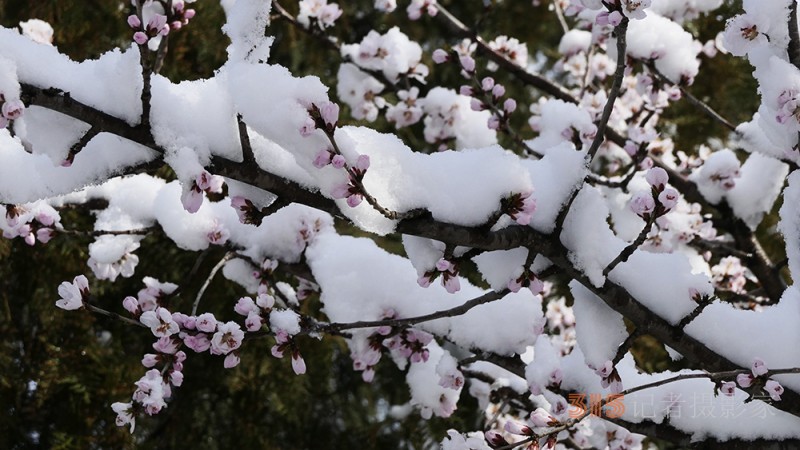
(60, 371)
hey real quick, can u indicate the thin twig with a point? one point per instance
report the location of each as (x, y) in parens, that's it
(621, 32)
(210, 277)
(628, 251)
(456, 311)
(114, 315)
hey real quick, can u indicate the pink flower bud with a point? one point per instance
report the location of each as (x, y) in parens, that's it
(510, 105)
(131, 305)
(487, 83)
(744, 380)
(518, 428)
(642, 203)
(475, 104)
(467, 63)
(322, 159)
(774, 389)
(440, 56)
(298, 364)
(728, 388)
(338, 161)
(362, 163)
(424, 281)
(134, 22)
(759, 367)
(13, 109)
(150, 360)
(668, 198)
(231, 361)
(176, 378)
(465, 90)
(451, 284)
(657, 177)
(498, 91)
(189, 13)
(443, 265)
(541, 418)
(329, 112)
(140, 38)
(354, 200)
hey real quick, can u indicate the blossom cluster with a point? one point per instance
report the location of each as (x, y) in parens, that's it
(154, 21)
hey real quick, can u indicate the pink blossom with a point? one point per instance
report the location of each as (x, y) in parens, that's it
(150, 359)
(338, 161)
(329, 112)
(160, 322)
(493, 123)
(209, 183)
(362, 163)
(475, 104)
(253, 322)
(668, 198)
(541, 418)
(517, 428)
(167, 345)
(341, 191)
(657, 177)
(642, 203)
(465, 90)
(192, 199)
(759, 367)
(206, 322)
(45, 234)
(440, 56)
(298, 363)
(774, 389)
(424, 281)
(199, 342)
(467, 63)
(451, 284)
(495, 439)
(510, 105)
(498, 91)
(487, 83)
(354, 200)
(228, 337)
(308, 127)
(368, 375)
(73, 294)
(131, 304)
(728, 388)
(124, 414)
(744, 380)
(133, 21)
(322, 159)
(13, 109)
(176, 378)
(245, 306)
(231, 361)
(443, 265)
(140, 38)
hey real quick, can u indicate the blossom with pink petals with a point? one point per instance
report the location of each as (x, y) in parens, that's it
(73, 294)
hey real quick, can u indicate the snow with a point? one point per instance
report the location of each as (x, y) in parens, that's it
(600, 330)
(789, 224)
(352, 291)
(742, 335)
(45, 179)
(591, 243)
(673, 48)
(111, 83)
(662, 282)
(757, 188)
(688, 405)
